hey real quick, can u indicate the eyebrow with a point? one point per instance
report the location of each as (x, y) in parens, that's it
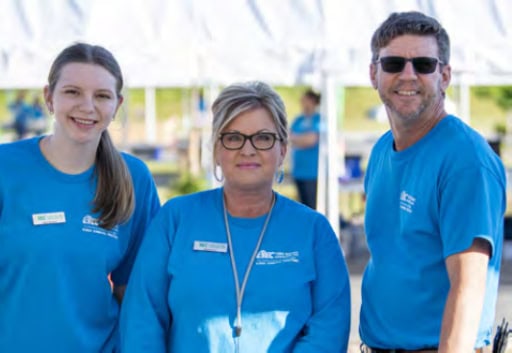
(79, 87)
(262, 130)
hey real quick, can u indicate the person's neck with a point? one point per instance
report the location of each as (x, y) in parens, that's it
(248, 204)
(67, 157)
(406, 135)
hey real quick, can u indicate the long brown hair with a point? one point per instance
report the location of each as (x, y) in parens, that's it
(114, 198)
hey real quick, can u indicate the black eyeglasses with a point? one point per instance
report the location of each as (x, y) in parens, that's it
(261, 140)
(422, 64)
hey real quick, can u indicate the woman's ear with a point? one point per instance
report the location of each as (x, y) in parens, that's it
(284, 149)
(120, 100)
(48, 99)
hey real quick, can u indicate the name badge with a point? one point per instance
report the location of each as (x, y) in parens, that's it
(210, 246)
(48, 218)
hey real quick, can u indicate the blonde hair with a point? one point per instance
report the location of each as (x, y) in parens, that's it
(239, 98)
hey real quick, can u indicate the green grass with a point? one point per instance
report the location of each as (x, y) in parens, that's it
(4, 111)
(173, 102)
(358, 101)
(485, 113)
(291, 98)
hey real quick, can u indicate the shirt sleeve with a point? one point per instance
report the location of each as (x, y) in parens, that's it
(472, 205)
(145, 314)
(328, 328)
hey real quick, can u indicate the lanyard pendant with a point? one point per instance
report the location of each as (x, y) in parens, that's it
(238, 331)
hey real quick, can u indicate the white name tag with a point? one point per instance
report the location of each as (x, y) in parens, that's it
(48, 218)
(210, 246)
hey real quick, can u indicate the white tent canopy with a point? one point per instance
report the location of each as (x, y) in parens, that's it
(193, 42)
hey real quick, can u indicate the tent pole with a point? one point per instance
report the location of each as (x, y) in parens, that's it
(150, 116)
(329, 193)
(464, 98)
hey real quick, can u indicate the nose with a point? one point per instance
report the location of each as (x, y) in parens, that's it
(247, 148)
(408, 70)
(86, 103)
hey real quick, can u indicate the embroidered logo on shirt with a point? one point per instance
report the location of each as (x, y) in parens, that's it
(407, 201)
(276, 257)
(91, 225)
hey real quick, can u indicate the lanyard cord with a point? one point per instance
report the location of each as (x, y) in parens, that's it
(240, 290)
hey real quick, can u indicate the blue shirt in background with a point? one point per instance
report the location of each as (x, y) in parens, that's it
(305, 160)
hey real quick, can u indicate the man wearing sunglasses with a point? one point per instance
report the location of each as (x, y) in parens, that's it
(435, 204)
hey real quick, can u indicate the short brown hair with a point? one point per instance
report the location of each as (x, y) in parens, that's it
(415, 23)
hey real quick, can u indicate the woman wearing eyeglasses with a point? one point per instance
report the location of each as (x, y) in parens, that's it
(240, 268)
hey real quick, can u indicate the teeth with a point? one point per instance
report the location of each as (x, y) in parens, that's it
(407, 93)
(84, 122)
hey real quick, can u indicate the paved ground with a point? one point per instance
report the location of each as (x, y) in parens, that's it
(356, 264)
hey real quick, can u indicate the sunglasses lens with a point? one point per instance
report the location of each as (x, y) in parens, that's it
(396, 64)
(424, 65)
(392, 64)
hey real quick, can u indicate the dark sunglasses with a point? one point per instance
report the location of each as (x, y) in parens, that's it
(395, 64)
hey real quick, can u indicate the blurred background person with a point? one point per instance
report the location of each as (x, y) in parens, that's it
(304, 138)
(38, 119)
(20, 111)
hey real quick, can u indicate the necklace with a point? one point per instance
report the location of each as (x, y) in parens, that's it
(241, 289)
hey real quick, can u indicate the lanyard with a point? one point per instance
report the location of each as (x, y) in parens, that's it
(240, 290)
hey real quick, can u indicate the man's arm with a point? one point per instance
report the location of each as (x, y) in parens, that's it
(467, 272)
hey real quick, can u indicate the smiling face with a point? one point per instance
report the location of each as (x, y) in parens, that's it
(410, 97)
(248, 168)
(84, 102)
